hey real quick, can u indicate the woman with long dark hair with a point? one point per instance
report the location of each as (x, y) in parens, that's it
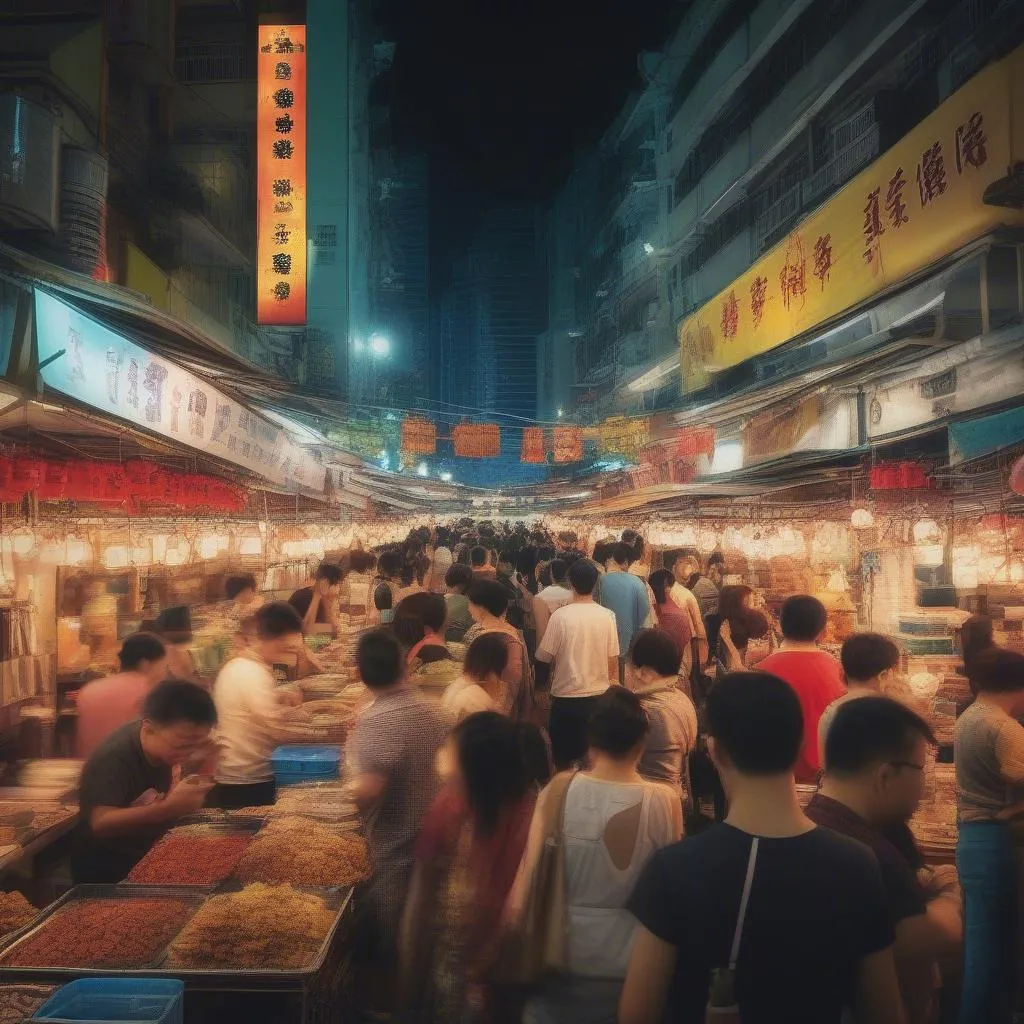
(670, 617)
(467, 855)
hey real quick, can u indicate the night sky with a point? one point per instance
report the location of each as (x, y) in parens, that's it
(502, 94)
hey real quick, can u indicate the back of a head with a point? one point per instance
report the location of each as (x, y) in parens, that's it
(427, 609)
(390, 563)
(177, 700)
(803, 618)
(583, 576)
(362, 561)
(731, 600)
(558, 567)
(458, 576)
(330, 573)
(998, 670)
(661, 581)
(175, 624)
(621, 554)
(238, 583)
(383, 598)
(870, 731)
(140, 647)
(380, 659)
(618, 724)
(276, 620)
(478, 557)
(865, 656)
(489, 595)
(491, 764)
(657, 650)
(486, 654)
(756, 722)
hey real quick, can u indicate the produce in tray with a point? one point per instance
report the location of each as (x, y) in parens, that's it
(191, 855)
(15, 912)
(304, 852)
(19, 1002)
(102, 933)
(262, 927)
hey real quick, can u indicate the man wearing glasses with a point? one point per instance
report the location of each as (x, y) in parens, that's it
(875, 755)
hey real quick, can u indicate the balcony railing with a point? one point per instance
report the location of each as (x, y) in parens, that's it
(841, 168)
(776, 217)
(214, 62)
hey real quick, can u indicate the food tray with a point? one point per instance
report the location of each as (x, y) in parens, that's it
(186, 894)
(208, 827)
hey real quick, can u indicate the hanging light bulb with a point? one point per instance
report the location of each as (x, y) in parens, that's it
(862, 519)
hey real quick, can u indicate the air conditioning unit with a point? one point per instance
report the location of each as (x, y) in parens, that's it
(29, 164)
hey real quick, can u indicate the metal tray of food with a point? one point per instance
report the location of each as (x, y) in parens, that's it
(339, 902)
(221, 824)
(191, 896)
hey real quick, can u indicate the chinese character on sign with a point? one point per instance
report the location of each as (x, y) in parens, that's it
(282, 187)
(282, 262)
(793, 276)
(283, 149)
(77, 371)
(283, 206)
(133, 383)
(895, 208)
(970, 143)
(823, 258)
(873, 227)
(284, 125)
(931, 174)
(284, 99)
(283, 71)
(730, 315)
(221, 421)
(282, 290)
(758, 297)
(233, 443)
(176, 398)
(246, 445)
(153, 381)
(113, 374)
(281, 234)
(197, 413)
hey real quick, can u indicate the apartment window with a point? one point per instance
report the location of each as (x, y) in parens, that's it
(719, 235)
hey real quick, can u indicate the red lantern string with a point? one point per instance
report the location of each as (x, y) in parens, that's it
(534, 450)
(568, 444)
(477, 440)
(419, 436)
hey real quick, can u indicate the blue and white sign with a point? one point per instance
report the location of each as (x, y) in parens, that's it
(92, 364)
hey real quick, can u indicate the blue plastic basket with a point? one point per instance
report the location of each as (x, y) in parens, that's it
(310, 762)
(297, 778)
(119, 1000)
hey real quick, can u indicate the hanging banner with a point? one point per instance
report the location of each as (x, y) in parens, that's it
(419, 436)
(568, 444)
(363, 437)
(281, 175)
(90, 363)
(971, 439)
(693, 442)
(534, 451)
(922, 200)
(477, 440)
(624, 437)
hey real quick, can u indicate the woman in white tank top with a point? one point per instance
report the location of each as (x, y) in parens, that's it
(614, 820)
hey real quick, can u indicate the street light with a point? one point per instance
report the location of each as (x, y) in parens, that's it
(379, 346)
(648, 248)
(422, 470)
(446, 477)
(561, 413)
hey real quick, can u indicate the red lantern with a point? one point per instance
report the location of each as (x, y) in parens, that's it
(568, 444)
(477, 440)
(419, 436)
(533, 450)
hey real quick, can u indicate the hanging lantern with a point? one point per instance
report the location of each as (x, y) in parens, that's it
(23, 542)
(862, 519)
(533, 450)
(477, 440)
(927, 531)
(568, 444)
(419, 436)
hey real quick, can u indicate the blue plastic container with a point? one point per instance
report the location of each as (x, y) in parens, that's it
(304, 763)
(117, 1000)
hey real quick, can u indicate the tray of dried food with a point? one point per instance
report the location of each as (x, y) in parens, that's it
(201, 854)
(101, 929)
(273, 932)
(19, 1002)
(15, 913)
(304, 852)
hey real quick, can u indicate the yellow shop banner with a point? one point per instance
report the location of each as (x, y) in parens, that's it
(917, 203)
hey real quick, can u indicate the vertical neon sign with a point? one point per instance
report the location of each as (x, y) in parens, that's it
(281, 175)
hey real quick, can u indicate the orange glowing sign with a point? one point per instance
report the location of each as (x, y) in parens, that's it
(281, 175)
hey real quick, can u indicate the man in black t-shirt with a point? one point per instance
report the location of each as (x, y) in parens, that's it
(875, 755)
(126, 796)
(816, 936)
(318, 604)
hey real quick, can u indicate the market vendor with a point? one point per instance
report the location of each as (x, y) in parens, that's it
(317, 604)
(252, 710)
(241, 595)
(126, 795)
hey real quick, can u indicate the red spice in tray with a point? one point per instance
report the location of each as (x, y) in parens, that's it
(99, 933)
(188, 858)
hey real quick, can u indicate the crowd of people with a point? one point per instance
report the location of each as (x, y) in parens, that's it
(546, 724)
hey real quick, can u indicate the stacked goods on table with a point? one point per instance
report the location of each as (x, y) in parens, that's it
(328, 801)
(930, 631)
(51, 779)
(261, 927)
(192, 855)
(126, 933)
(19, 1002)
(934, 825)
(304, 852)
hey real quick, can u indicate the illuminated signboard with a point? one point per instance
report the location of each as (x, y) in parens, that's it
(89, 362)
(281, 175)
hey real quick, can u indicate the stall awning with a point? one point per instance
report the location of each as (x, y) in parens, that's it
(985, 435)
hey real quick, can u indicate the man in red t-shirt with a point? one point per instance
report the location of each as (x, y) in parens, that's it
(814, 674)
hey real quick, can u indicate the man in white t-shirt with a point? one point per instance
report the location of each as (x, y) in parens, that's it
(552, 597)
(251, 718)
(581, 644)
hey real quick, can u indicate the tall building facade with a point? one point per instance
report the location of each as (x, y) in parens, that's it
(754, 114)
